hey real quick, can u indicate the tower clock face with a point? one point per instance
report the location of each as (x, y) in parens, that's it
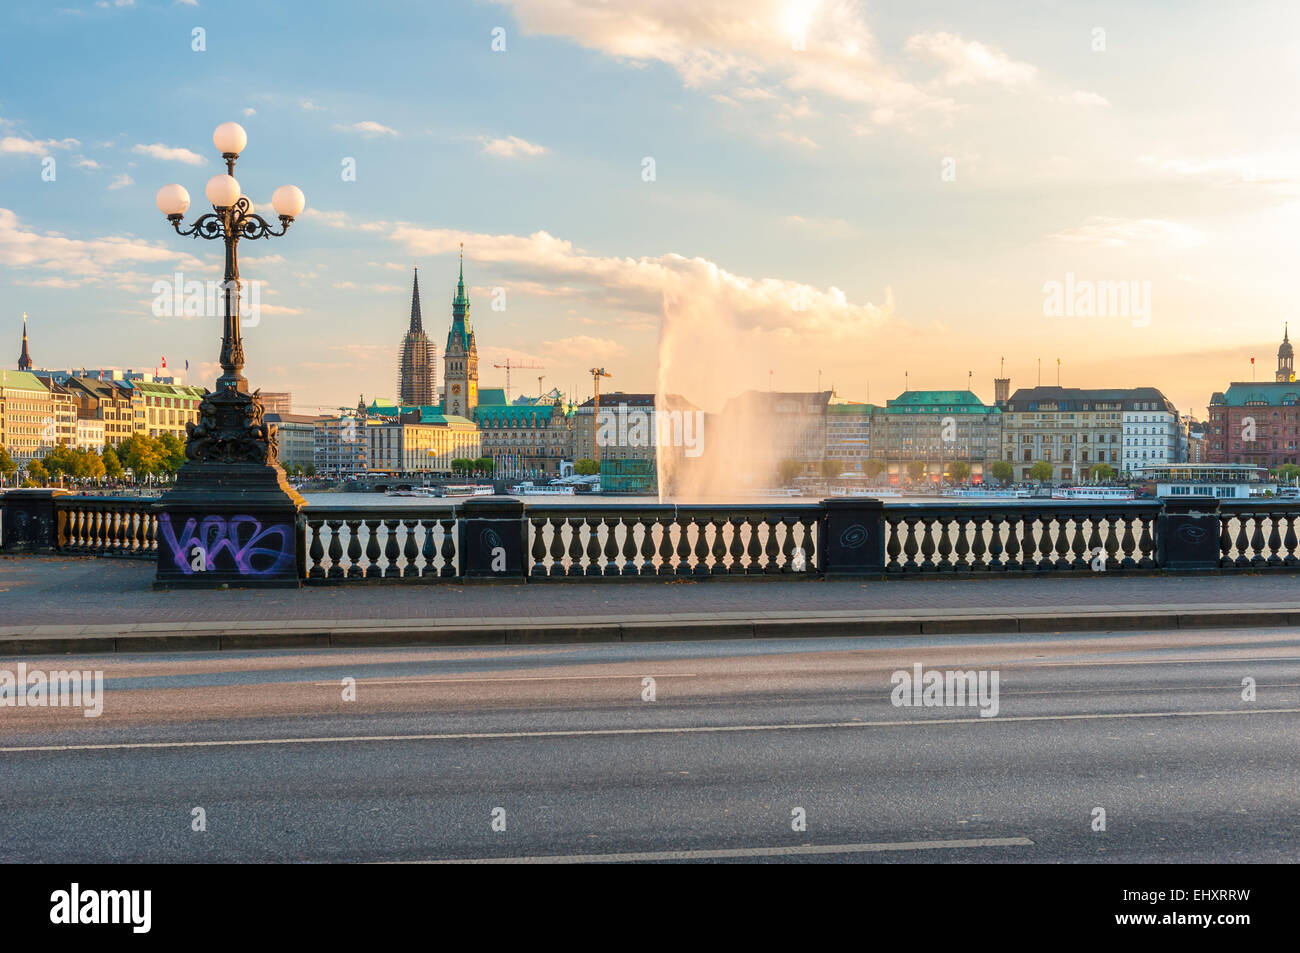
(455, 388)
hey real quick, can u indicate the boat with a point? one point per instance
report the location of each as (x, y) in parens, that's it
(1224, 481)
(468, 489)
(528, 488)
(977, 493)
(1093, 494)
(864, 491)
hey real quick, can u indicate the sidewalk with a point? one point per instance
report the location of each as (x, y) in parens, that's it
(57, 605)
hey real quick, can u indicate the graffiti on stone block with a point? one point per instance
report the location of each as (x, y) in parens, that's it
(238, 544)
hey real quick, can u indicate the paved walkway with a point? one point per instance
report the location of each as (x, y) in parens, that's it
(61, 604)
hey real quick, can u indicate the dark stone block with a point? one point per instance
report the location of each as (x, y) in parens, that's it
(852, 539)
(31, 524)
(1187, 534)
(491, 542)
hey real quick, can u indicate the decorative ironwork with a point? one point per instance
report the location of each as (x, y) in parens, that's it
(230, 427)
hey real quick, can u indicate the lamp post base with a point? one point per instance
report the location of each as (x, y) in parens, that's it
(232, 518)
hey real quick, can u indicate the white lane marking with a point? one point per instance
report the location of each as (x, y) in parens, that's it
(791, 851)
(598, 732)
(502, 678)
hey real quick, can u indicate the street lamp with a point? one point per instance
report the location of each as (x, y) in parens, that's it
(231, 219)
(230, 517)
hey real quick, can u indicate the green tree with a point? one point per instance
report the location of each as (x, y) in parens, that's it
(1040, 471)
(484, 465)
(112, 465)
(959, 470)
(787, 470)
(1287, 472)
(915, 470)
(141, 454)
(310, 469)
(873, 468)
(1002, 471)
(37, 472)
(586, 467)
(7, 466)
(831, 469)
(172, 452)
(1103, 472)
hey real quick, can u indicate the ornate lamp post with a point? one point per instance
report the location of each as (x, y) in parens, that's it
(232, 517)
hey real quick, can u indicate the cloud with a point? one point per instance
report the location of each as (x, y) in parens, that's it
(511, 147)
(760, 44)
(367, 127)
(655, 285)
(823, 227)
(250, 111)
(121, 181)
(84, 163)
(310, 106)
(35, 147)
(168, 153)
(1083, 98)
(968, 61)
(1104, 232)
(84, 260)
(582, 347)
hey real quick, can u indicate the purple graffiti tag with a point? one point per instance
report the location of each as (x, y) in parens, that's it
(243, 537)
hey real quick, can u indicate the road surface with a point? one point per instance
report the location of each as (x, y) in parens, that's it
(561, 747)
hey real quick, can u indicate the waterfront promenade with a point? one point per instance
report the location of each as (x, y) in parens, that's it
(60, 604)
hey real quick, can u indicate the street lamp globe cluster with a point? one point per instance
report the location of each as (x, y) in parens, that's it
(230, 429)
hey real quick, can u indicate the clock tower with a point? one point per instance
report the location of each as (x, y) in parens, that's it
(461, 357)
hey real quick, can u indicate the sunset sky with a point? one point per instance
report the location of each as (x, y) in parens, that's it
(799, 218)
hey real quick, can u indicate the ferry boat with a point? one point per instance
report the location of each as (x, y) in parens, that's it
(879, 492)
(1084, 494)
(467, 489)
(426, 492)
(528, 488)
(977, 493)
(1224, 481)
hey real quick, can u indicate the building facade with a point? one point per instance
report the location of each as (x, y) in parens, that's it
(936, 428)
(339, 445)
(524, 441)
(1257, 423)
(416, 384)
(27, 426)
(1075, 429)
(848, 433)
(417, 443)
(295, 438)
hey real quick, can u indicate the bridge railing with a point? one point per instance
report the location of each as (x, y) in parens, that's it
(496, 537)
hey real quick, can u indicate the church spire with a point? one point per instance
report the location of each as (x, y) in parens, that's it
(416, 321)
(24, 359)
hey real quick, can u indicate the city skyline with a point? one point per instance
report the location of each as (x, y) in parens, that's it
(836, 201)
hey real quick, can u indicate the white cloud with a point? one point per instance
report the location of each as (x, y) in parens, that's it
(250, 111)
(1101, 231)
(511, 147)
(368, 127)
(968, 61)
(84, 163)
(657, 285)
(85, 260)
(822, 227)
(310, 106)
(1082, 97)
(35, 147)
(121, 181)
(168, 153)
(752, 42)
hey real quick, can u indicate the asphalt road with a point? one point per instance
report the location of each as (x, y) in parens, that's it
(1151, 727)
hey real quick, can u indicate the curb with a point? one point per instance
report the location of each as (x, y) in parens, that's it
(277, 635)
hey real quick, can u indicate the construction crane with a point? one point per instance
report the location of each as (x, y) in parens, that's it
(540, 378)
(508, 365)
(596, 374)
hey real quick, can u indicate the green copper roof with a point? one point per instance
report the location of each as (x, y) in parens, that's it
(938, 402)
(513, 415)
(1269, 393)
(492, 395)
(461, 333)
(21, 380)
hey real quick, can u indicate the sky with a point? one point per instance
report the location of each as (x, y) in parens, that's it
(701, 196)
